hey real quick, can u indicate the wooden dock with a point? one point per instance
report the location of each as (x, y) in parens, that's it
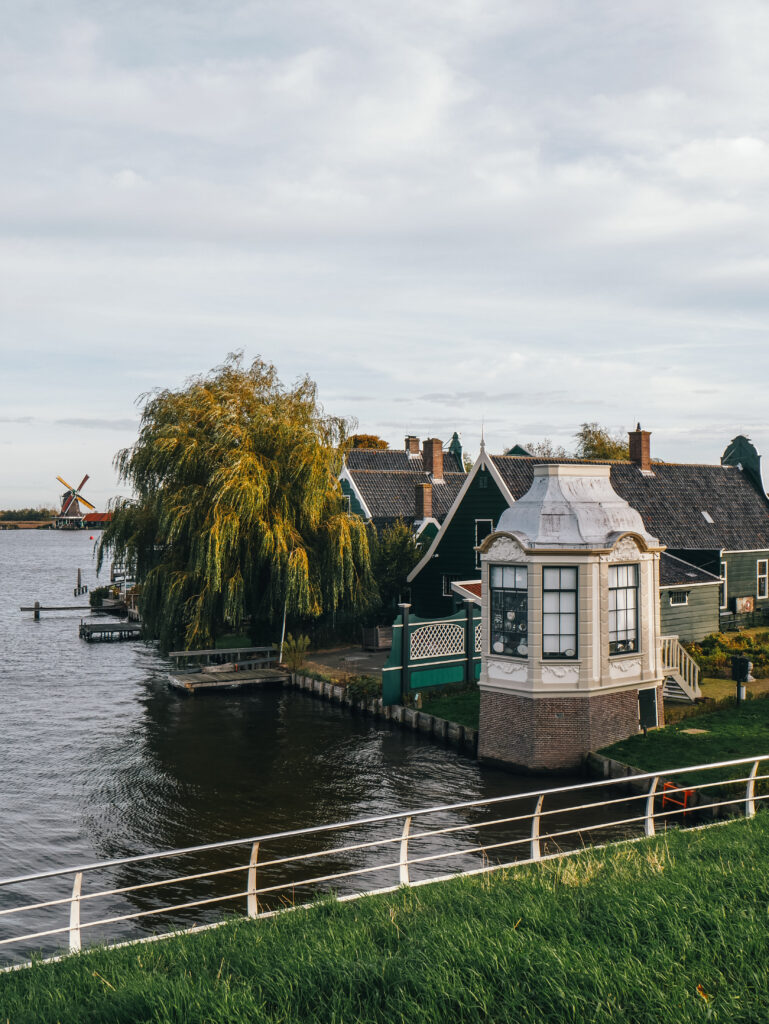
(243, 679)
(225, 669)
(110, 632)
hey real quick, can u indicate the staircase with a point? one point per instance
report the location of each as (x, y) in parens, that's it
(682, 674)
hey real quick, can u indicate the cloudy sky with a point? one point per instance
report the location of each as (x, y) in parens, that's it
(448, 212)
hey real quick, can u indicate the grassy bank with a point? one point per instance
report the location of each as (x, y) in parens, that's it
(664, 931)
(461, 707)
(720, 735)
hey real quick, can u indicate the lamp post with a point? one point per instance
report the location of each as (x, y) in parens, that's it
(741, 669)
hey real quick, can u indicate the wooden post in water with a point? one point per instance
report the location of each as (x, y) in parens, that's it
(37, 611)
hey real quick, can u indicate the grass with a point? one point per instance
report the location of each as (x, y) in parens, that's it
(729, 732)
(665, 931)
(462, 707)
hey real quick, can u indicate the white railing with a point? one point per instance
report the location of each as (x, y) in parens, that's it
(264, 874)
(677, 661)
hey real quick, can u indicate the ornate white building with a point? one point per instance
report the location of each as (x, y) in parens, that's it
(571, 657)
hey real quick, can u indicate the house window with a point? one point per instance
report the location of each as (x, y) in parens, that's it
(623, 609)
(483, 480)
(559, 613)
(483, 527)
(678, 597)
(509, 627)
(448, 578)
(723, 600)
(762, 578)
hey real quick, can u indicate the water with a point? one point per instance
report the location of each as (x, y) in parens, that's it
(100, 758)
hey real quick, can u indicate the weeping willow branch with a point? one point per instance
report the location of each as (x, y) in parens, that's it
(237, 512)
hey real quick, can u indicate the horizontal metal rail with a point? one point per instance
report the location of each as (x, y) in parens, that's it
(279, 877)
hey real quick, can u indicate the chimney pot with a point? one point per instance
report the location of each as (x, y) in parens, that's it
(640, 448)
(432, 457)
(424, 501)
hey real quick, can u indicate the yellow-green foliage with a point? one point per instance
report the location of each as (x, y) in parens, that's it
(294, 650)
(238, 508)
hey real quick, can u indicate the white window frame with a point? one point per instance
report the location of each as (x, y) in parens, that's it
(679, 593)
(762, 577)
(724, 603)
(447, 579)
(477, 542)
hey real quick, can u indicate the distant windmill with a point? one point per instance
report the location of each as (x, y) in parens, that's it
(71, 514)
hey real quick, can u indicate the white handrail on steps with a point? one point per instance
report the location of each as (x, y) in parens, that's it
(677, 662)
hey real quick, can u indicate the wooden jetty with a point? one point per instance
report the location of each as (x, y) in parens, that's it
(37, 608)
(233, 668)
(110, 632)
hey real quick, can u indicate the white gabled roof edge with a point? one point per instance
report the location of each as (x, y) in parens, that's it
(346, 475)
(482, 460)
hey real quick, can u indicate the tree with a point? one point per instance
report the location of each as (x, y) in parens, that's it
(394, 554)
(237, 511)
(597, 442)
(547, 449)
(367, 441)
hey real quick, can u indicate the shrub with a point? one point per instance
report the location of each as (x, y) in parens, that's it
(295, 650)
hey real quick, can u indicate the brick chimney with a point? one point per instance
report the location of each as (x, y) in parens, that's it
(424, 501)
(432, 457)
(640, 449)
(412, 445)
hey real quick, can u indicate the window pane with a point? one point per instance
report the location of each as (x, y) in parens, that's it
(568, 579)
(508, 577)
(550, 623)
(550, 645)
(496, 576)
(550, 602)
(568, 624)
(551, 579)
(568, 646)
(522, 578)
(569, 601)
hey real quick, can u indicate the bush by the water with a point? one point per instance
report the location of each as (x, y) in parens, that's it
(714, 653)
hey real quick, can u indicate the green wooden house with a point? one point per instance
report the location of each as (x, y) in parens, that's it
(714, 520)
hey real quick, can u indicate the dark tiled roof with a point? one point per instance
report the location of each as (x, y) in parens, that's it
(673, 499)
(675, 572)
(397, 459)
(391, 495)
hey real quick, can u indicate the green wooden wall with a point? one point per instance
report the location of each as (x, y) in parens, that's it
(355, 506)
(741, 582)
(692, 621)
(455, 554)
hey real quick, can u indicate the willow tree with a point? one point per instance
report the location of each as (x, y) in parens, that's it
(237, 512)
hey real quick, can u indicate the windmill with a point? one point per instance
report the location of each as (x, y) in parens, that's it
(71, 516)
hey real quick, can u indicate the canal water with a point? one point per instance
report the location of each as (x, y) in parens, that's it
(101, 759)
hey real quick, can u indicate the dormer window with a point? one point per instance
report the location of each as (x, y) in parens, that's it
(623, 609)
(509, 625)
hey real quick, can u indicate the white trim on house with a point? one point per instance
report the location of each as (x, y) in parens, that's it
(458, 586)
(422, 523)
(482, 460)
(689, 586)
(739, 551)
(346, 475)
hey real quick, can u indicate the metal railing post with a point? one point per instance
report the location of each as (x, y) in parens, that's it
(74, 914)
(534, 850)
(649, 816)
(404, 862)
(750, 791)
(252, 903)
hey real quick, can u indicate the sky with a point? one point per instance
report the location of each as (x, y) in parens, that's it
(471, 215)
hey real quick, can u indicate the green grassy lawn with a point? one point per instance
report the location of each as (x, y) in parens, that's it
(727, 733)
(462, 707)
(665, 931)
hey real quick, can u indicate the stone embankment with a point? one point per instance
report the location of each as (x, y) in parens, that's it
(462, 737)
